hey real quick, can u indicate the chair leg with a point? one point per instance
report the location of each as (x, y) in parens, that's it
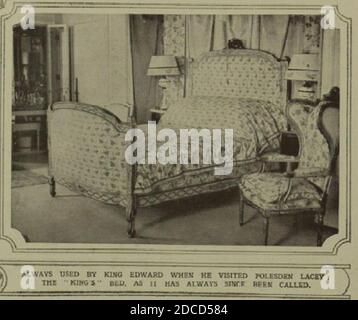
(266, 229)
(52, 184)
(320, 219)
(241, 208)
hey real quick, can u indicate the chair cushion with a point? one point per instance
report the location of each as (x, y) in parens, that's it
(265, 190)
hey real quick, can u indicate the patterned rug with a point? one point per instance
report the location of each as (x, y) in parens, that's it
(25, 178)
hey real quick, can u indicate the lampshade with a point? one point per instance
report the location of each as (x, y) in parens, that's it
(163, 66)
(303, 67)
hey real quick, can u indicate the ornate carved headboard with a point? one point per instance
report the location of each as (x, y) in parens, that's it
(242, 73)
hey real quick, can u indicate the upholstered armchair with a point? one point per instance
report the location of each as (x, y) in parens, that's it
(305, 189)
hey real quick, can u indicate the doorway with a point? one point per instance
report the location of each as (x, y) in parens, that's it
(40, 78)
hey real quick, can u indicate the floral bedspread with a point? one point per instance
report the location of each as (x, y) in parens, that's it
(256, 126)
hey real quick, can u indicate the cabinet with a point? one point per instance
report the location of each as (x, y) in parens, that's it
(304, 75)
(30, 69)
(41, 77)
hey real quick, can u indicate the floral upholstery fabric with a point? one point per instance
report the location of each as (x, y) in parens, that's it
(314, 149)
(86, 154)
(86, 151)
(240, 73)
(223, 112)
(87, 147)
(273, 191)
(256, 125)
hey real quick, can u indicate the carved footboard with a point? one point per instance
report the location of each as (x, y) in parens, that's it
(86, 154)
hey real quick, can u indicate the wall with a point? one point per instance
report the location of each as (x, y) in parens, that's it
(101, 57)
(47, 18)
(330, 58)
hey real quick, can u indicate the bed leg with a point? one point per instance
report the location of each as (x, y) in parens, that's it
(131, 198)
(52, 184)
(241, 208)
(131, 215)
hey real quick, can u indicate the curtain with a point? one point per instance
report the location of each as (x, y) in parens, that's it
(272, 33)
(146, 40)
(243, 27)
(199, 35)
(295, 39)
(208, 33)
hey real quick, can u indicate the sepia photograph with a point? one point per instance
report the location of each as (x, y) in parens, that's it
(182, 150)
(81, 81)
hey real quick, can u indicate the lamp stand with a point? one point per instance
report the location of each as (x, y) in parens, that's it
(164, 83)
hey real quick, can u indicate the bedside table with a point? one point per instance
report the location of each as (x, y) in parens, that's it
(156, 114)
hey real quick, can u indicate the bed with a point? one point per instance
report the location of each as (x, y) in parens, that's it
(241, 89)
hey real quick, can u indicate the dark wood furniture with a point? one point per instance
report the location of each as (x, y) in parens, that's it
(30, 89)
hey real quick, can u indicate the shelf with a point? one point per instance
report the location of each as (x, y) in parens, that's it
(33, 112)
(302, 75)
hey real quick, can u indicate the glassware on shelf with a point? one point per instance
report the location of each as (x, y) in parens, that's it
(30, 80)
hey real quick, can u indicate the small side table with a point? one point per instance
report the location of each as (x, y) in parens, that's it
(33, 123)
(156, 114)
(29, 127)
